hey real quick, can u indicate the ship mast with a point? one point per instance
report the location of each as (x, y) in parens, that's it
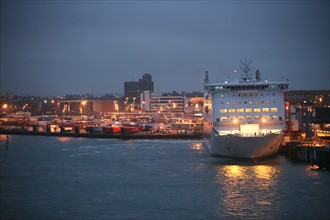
(246, 67)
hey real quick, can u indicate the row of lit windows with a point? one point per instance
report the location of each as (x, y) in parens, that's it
(257, 94)
(246, 102)
(241, 110)
(250, 87)
(248, 118)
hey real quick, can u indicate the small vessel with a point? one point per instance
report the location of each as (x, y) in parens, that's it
(244, 118)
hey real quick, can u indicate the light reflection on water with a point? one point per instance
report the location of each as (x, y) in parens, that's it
(247, 188)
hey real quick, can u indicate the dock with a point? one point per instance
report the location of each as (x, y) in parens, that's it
(315, 152)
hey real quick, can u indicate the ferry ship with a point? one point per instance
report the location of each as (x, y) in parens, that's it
(244, 118)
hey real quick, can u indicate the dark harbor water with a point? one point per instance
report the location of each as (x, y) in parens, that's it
(77, 178)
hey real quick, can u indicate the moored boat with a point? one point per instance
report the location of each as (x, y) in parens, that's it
(244, 118)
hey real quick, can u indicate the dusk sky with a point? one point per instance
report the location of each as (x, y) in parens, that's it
(53, 48)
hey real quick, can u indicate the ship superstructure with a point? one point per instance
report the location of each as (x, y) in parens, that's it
(244, 118)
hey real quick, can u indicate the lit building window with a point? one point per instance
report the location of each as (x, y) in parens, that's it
(273, 109)
(240, 110)
(223, 110)
(257, 110)
(248, 110)
(265, 109)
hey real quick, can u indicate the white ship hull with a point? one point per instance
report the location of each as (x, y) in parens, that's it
(243, 147)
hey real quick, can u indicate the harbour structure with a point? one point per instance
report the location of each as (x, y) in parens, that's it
(244, 118)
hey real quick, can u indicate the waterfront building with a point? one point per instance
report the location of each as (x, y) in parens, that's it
(133, 89)
(86, 107)
(319, 98)
(306, 108)
(162, 103)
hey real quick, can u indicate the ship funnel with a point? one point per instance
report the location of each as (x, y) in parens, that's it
(206, 78)
(258, 78)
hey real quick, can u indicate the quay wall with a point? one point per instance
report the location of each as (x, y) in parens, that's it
(138, 135)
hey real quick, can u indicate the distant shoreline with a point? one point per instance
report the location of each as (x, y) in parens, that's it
(141, 135)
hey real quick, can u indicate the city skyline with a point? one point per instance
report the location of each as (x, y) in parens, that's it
(54, 48)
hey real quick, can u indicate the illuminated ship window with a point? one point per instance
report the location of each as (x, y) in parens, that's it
(251, 102)
(223, 118)
(248, 110)
(274, 117)
(223, 110)
(231, 118)
(266, 117)
(232, 110)
(273, 109)
(257, 110)
(265, 109)
(256, 117)
(227, 103)
(239, 103)
(241, 118)
(249, 118)
(240, 110)
(234, 103)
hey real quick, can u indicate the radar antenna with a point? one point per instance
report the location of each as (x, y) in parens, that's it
(246, 67)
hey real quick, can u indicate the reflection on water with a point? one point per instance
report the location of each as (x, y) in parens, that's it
(247, 188)
(64, 139)
(198, 146)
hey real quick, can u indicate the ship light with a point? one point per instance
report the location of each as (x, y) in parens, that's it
(264, 119)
